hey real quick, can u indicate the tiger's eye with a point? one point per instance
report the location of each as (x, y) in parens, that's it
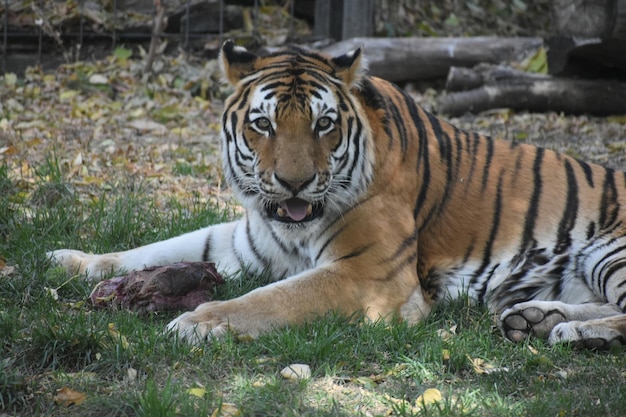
(324, 123)
(263, 123)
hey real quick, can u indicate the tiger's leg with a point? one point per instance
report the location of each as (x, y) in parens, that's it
(605, 272)
(344, 286)
(599, 324)
(214, 243)
(602, 333)
(542, 318)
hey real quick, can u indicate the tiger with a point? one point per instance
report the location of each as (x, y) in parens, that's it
(359, 201)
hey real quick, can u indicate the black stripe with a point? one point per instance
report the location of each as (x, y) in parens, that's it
(445, 150)
(587, 171)
(325, 245)
(568, 220)
(495, 225)
(406, 243)
(472, 150)
(487, 162)
(482, 292)
(595, 274)
(443, 140)
(533, 206)
(253, 247)
(356, 252)
(620, 300)
(409, 261)
(615, 267)
(608, 203)
(356, 144)
(400, 125)
(278, 241)
(243, 100)
(206, 253)
(422, 168)
(459, 147)
(372, 97)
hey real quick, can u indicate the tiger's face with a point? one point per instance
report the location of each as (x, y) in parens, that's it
(294, 141)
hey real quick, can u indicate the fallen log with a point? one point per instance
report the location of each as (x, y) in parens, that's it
(407, 59)
(508, 88)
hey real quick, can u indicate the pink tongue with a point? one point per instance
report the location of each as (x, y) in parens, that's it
(296, 208)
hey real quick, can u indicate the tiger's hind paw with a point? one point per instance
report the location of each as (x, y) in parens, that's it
(530, 318)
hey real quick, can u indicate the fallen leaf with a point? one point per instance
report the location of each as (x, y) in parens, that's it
(115, 334)
(68, 397)
(226, 410)
(131, 375)
(446, 334)
(98, 79)
(7, 271)
(144, 125)
(296, 371)
(430, 396)
(197, 392)
(52, 292)
(483, 367)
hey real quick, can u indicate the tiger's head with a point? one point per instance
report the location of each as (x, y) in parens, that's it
(296, 143)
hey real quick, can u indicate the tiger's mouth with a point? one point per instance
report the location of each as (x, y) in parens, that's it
(295, 210)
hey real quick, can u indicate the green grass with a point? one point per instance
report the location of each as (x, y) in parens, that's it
(52, 338)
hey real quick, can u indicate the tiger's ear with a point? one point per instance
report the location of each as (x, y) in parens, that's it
(237, 62)
(351, 67)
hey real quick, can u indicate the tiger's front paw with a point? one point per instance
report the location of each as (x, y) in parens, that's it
(94, 267)
(203, 324)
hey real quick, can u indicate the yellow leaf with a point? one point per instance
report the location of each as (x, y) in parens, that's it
(197, 392)
(430, 396)
(226, 410)
(67, 397)
(537, 63)
(115, 334)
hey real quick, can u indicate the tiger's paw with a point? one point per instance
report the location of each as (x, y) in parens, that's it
(534, 318)
(201, 325)
(592, 334)
(93, 267)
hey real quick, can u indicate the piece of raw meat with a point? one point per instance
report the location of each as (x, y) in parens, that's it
(179, 286)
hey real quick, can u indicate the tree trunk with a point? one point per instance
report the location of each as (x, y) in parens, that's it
(406, 59)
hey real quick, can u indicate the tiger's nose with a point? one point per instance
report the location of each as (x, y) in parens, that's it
(295, 185)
